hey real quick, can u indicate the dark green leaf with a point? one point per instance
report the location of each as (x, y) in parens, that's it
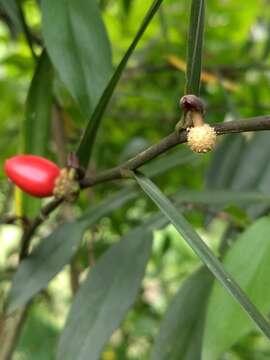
(113, 202)
(225, 160)
(77, 43)
(232, 167)
(44, 263)
(202, 250)
(258, 209)
(38, 109)
(226, 323)
(222, 197)
(37, 121)
(126, 5)
(231, 164)
(86, 144)
(180, 335)
(195, 45)
(257, 151)
(105, 297)
(55, 251)
(11, 8)
(266, 49)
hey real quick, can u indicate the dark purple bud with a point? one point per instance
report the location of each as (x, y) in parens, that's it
(191, 103)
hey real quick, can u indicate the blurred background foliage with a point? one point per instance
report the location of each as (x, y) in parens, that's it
(235, 84)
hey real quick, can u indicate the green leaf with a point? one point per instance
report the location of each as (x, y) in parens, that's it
(226, 324)
(180, 335)
(266, 48)
(85, 147)
(222, 197)
(256, 210)
(126, 4)
(38, 109)
(44, 263)
(55, 251)
(256, 152)
(195, 45)
(113, 202)
(11, 8)
(105, 297)
(225, 161)
(230, 167)
(78, 45)
(202, 250)
(36, 126)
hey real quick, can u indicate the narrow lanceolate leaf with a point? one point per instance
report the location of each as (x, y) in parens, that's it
(195, 46)
(226, 324)
(86, 144)
(224, 162)
(55, 251)
(105, 297)
(44, 263)
(36, 125)
(257, 152)
(180, 335)
(230, 167)
(113, 202)
(78, 45)
(38, 109)
(222, 197)
(202, 250)
(126, 4)
(11, 8)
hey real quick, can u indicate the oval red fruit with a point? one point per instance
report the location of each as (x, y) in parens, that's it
(35, 175)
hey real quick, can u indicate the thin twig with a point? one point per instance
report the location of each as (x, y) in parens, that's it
(44, 213)
(122, 171)
(253, 124)
(10, 328)
(12, 219)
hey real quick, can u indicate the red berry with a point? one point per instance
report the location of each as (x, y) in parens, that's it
(35, 175)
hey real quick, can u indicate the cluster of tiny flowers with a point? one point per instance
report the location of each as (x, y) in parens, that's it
(66, 187)
(201, 139)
